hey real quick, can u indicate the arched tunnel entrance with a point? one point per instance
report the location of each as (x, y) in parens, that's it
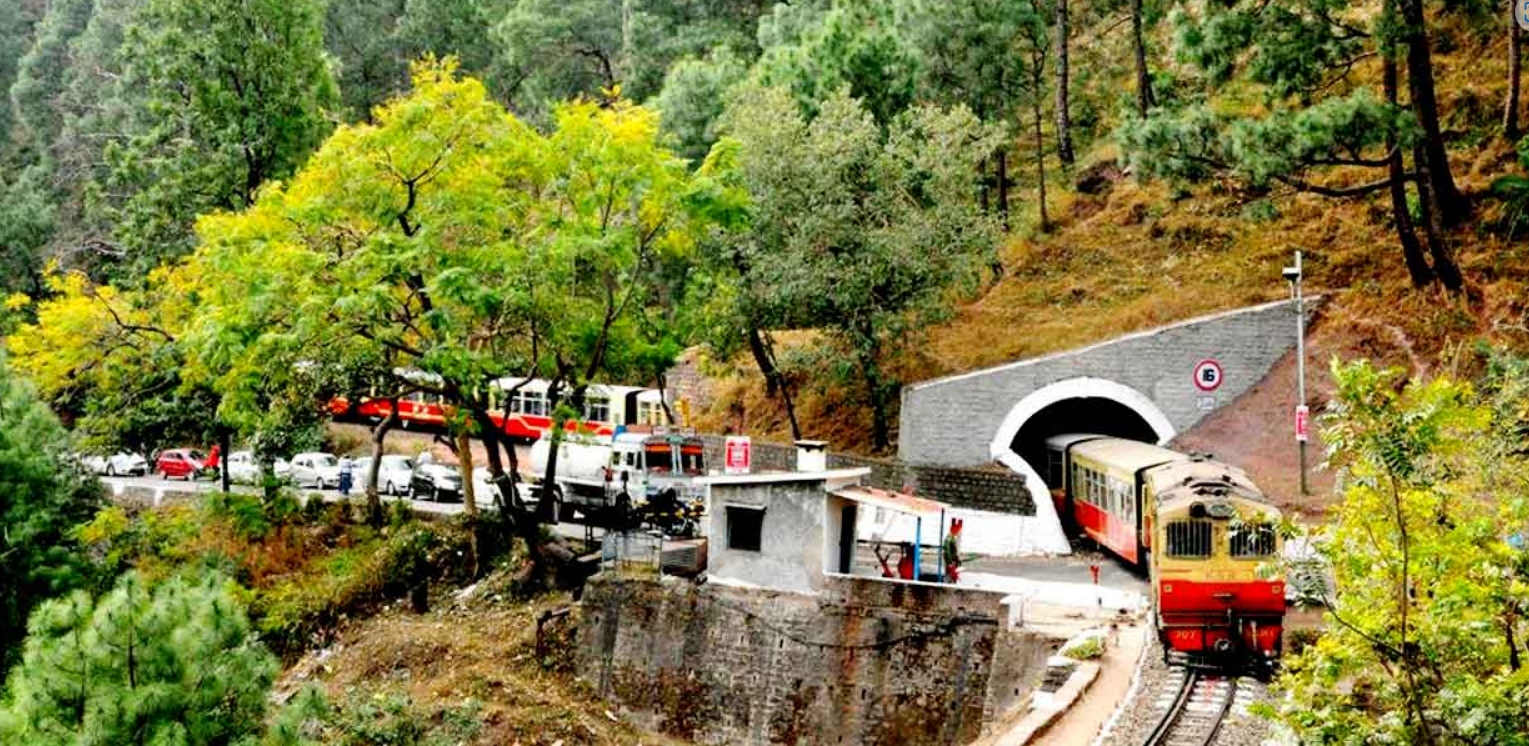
(1075, 405)
(1092, 415)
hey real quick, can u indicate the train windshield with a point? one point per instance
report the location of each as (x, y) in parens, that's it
(1189, 538)
(1252, 541)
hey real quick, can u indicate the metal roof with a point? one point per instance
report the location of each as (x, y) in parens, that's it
(911, 504)
(1130, 455)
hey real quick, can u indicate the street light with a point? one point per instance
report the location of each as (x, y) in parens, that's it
(1293, 275)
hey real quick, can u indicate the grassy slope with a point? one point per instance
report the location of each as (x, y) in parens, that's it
(1140, 255)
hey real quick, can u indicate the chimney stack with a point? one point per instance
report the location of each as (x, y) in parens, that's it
(811, 455)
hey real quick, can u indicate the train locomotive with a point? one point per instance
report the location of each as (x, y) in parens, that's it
(1201, 529)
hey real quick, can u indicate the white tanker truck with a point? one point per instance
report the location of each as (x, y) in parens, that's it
(611, 479)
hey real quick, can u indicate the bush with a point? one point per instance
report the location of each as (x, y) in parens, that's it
(305, 608)
(394, 720)
(1087, 649)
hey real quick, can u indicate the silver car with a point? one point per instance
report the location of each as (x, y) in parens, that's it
(393, 474)
(318, 470)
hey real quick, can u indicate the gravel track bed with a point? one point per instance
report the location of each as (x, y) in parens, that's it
(1154, 694)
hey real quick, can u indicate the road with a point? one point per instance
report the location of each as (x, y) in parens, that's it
(158, 485)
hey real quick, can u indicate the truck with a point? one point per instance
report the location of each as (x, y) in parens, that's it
(614, 479)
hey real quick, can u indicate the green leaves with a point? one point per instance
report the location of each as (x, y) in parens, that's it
(867, 235)
(172, 664)
(1427, 631)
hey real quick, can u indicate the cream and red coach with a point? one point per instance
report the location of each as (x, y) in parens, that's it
(1202, 530)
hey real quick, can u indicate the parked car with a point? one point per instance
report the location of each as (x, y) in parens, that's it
(392, 476)
(185, 463)
(485, 490)
(117, 465)
(437, 482)
(317, 470)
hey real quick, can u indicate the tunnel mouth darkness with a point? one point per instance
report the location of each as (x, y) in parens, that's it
(1092, 415)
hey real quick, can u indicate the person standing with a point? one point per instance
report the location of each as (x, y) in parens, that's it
(953, 551)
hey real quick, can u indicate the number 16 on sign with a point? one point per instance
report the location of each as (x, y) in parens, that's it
(1302, 423)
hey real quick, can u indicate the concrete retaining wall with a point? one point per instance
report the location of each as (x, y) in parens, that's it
(721, 665)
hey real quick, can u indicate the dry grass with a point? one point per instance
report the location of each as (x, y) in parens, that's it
(485, 653)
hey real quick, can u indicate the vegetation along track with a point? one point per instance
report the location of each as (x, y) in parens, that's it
(1194, 715)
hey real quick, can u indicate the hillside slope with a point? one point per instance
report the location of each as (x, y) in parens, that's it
(1132, 255)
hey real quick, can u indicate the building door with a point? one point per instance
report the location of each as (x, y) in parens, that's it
(847, 535)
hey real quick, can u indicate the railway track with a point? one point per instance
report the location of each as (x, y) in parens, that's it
(1195, 711)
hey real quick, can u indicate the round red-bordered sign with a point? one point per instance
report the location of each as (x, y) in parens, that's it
(1208, 375)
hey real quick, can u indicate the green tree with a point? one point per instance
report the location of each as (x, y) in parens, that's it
(1426, 637)
(854, 46)
(869, 235)
(176, 663)
(1318, 117)
(42, 498)
(693, 96)
(234, 95)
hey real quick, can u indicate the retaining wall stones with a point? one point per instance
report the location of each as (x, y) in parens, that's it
(874, 663)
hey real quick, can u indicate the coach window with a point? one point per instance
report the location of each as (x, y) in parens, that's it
(597, 409)
(1188, 538)
(1249, 541)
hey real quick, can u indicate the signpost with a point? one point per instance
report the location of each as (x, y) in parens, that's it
(737, 454)
(1294, 274)
(1208, 375)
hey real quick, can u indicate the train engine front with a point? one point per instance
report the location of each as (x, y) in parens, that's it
(1214, 552)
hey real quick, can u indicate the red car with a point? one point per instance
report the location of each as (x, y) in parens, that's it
(185, 463)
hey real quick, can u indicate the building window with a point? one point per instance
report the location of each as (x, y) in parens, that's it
(1188, 538)
(744, 528)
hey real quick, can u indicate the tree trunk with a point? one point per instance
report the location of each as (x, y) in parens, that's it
(986, 185)
(1002, 164)
(1040, 141)
(1433, 232)
(225, 442)
(1412, 251)
(1063, 102)
(1144, 99)
(379, 435)
(662, 383)
(1451, 204)
(464, 448)
(1510, 108)
(775, 382)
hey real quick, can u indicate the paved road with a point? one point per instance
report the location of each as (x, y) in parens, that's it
(116, 484)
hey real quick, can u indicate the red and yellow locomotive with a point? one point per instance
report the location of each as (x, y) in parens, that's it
(1201, 529)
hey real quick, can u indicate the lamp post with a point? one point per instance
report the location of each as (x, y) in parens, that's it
(1294, 275)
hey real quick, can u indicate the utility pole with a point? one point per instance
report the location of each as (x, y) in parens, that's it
(1294, 275)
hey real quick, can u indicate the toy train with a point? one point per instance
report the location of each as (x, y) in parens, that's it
(519, 407)
(1203, 532)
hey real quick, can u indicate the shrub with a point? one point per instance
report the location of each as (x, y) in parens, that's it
(394, 720)
(1087, 649)
(306, 607)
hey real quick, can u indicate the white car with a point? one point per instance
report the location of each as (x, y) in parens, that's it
(393, 474)
(484, 489)
(244, 468)
(317, 470)
(117, 465)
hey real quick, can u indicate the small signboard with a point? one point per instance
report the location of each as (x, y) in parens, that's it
(738, 454)
(1302, 423)
(1206, 403)
(1208, 375)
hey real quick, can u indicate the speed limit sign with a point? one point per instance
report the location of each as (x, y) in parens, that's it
(1208, 375)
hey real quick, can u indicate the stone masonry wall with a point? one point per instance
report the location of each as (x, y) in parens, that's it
(952, 421)
(721, 665)
(993, 488)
